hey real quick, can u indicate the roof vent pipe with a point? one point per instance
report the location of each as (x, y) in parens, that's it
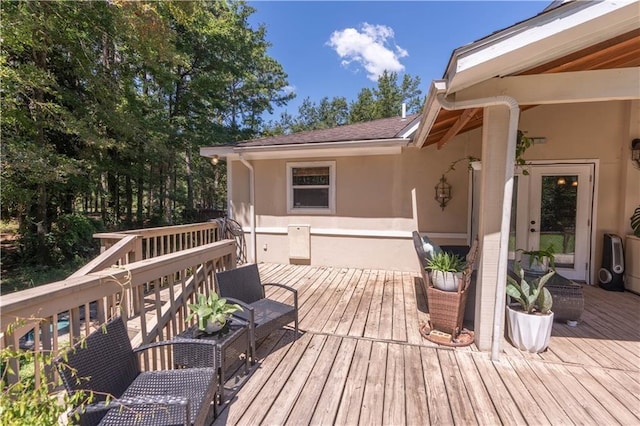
(404, 110)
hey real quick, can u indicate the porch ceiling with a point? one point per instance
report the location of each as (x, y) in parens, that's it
(619, 52)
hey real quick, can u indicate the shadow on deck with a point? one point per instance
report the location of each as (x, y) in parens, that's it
(360, 359)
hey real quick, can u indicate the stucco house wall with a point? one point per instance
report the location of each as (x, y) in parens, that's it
(375, 194)
(375, 215)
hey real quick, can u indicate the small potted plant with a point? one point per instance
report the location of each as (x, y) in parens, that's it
(635, 222)
(529, 318)
(538, 261)
(446, 270)
(212, 312)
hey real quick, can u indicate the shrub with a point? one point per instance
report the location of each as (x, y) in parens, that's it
(70, 237)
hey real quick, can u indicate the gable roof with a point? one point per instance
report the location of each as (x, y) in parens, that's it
(385, 128)
(567, 36)
(385, 136)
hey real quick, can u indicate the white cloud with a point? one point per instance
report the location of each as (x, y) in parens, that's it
(287, 90)
(372, 47)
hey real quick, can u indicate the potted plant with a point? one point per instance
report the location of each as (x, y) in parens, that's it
(212, 312)
(529, 318)
(446, 270)
(538, 261)
(635, 222)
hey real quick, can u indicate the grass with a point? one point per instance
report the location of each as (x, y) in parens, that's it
(546, 240)
(556, 240)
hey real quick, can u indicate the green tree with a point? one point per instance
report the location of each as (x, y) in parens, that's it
(364, 107)
(105, 105)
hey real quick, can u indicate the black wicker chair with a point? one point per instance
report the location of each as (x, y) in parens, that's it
(242, 285)
(106, 364)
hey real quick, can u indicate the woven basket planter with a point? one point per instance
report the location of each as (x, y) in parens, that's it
(446, 309)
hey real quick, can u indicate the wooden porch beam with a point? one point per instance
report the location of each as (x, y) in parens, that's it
(563, 87)
(462, 121)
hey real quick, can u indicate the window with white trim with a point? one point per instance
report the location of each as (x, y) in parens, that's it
(311, 187)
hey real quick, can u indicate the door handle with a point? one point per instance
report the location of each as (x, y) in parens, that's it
(532, 230)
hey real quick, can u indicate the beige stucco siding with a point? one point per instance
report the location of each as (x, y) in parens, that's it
(374, 193)
(374, 206)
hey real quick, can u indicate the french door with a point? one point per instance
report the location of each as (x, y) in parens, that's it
(552, 208)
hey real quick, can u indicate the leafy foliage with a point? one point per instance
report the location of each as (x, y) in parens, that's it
(383, 101)
(212, 308)
(532, 296)
(70, 237)
(537, 256)
(635, 222)
(24, 402)
(446, 262)
(108, 115)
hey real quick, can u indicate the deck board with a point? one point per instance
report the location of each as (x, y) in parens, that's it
(373, 400)
(360, 359)
(329, 402)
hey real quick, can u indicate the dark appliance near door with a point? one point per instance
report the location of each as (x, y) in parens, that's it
(611, 274)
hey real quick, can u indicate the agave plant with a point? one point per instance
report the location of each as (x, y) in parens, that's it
(531, 296)
(211, 309)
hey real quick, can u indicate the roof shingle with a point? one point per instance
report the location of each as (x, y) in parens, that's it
(385, 128)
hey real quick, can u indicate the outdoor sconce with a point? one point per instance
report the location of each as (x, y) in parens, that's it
(443, 192)
(635, 152)
(215, 159)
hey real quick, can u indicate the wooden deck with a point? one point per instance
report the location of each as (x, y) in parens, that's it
(360, 359)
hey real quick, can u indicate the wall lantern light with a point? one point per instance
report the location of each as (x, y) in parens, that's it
(635, 152)
(443, 192)
(215, 159)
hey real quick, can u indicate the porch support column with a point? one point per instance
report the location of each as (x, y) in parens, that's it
(495, 135)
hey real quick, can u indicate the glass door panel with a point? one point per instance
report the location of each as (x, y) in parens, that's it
(559, 214)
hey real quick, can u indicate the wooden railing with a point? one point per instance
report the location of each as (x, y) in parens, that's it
(152, 242)
(150, 294)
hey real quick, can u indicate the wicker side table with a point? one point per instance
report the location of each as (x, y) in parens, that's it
(232, 342)
(568, 298)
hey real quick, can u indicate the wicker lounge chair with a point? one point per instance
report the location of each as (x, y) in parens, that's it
(106, 364)
(243, 286)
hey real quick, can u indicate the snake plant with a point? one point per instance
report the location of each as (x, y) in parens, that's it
(533, 297)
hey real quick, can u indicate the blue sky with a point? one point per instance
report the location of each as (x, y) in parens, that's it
(335, 48)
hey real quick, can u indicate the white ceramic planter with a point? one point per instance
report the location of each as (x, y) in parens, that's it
(532, 265)
(529, 332)
(446, 281)
(213, 326)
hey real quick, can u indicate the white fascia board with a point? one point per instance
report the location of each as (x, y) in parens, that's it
(309, 150)
(429, 112)
(558, 88)
(541, 39)
(284, 153)
(221, 151)
(407, 134)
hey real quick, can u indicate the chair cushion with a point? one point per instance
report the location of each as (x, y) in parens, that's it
(266, 311)
(190, 383)
(430, 248)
